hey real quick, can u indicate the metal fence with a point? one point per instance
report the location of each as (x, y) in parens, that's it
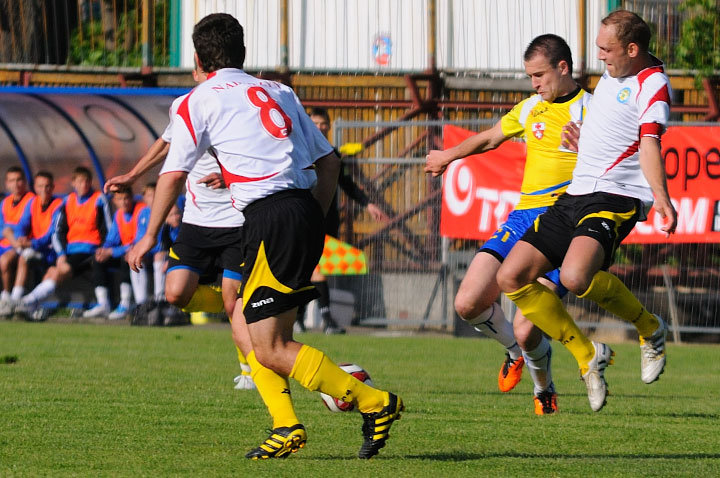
(366, 35)
(129, 33)
(414, 272)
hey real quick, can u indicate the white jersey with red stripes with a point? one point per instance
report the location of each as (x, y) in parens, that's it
(624, 110)
(204, 206)
(257, 130)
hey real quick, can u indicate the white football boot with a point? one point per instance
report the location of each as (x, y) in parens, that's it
(652, 359)
(6, 308)
(594, 378)
(244, 382)
(96, 312)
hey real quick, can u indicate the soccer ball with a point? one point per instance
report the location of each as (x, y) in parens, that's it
(335, 405)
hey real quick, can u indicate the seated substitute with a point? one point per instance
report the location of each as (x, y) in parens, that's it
(13, 208)
(82, 225)
(110, 257)
(36, 253)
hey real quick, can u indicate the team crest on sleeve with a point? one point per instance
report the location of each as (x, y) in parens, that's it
(538, 130)
(623, 95)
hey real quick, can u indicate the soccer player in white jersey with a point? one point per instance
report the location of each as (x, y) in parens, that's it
(209, 224)
(282, 174)
(548, 171)
(619, 169)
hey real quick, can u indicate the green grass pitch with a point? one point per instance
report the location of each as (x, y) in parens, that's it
(88, 400)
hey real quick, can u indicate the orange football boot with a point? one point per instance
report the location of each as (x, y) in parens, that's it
(545, 403)
(510, 373)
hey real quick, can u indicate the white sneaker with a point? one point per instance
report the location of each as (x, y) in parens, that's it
(121, 312)
(96, 312)
(7, 307)
(594, 378)
(244, 382)
(40, 314)
(652, 349)
(26, 309)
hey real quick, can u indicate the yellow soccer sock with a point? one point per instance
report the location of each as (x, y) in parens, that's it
(205, 299)
(608, 291)
(315, 371)
(274, 389)
(545, 309)
(244, 366)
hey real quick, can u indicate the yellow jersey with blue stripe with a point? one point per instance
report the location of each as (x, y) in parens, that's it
(548, 166)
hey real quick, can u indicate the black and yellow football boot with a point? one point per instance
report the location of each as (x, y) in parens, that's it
(376, 426)
(281, 442)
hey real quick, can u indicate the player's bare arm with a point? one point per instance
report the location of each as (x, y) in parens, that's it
(154, 156)
(653, 168)
(437, 161)
(102, 254)
(327, 169)
(167, 191)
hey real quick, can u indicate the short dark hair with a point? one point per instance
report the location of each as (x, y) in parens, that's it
(45, 174)
(629, 28)
(552, 47)
(123, 189)
(322, 112)
(219, 42)
(15, 169)
(82, 171)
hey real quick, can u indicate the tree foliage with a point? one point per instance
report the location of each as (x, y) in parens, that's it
(97, 43)
(698, 47)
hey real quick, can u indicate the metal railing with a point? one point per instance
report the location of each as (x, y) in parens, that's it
(414, 272)
(85, 32)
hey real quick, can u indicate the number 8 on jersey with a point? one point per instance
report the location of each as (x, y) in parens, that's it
(274, 120)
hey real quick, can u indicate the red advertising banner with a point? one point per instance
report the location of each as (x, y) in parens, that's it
(480, 191)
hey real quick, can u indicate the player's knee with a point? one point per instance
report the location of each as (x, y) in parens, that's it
(524, 333)
(267, 357)
(575, 281)
(469, 307)
(5, 261)
(509, 280)
(177, 295)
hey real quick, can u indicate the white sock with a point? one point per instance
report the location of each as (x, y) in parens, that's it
(245, 368)
(125, 295)
(4, 295)
(101, 294)
(17, 293)
(159, 280)
(538, 364)
(493, 324)
(139, 285)
(42, 291)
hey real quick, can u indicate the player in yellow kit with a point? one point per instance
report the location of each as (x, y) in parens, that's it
(540, 119)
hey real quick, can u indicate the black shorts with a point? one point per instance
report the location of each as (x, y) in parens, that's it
(283, 239)
(607, 218)
(207, 251)
(79, 263)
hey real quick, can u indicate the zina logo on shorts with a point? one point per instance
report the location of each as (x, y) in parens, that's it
(260, 303)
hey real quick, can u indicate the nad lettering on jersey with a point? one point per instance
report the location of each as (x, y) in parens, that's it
(257, 130)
